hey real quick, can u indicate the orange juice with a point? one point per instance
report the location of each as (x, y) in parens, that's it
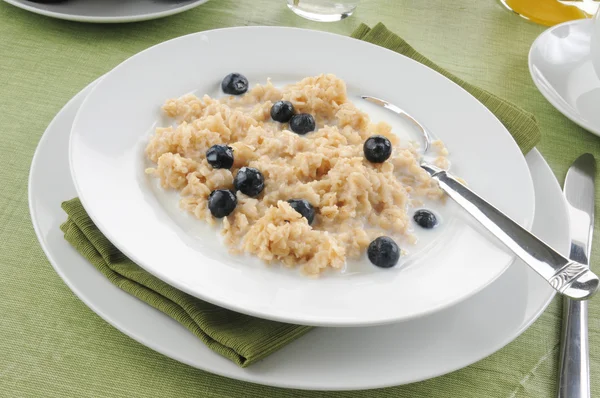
(549, 12)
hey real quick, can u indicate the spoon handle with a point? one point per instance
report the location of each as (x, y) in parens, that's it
(570, 278)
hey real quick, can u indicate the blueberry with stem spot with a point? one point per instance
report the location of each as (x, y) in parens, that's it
(234, 84)
(383, 252)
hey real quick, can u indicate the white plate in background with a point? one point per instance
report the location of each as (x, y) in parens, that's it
(108, 11)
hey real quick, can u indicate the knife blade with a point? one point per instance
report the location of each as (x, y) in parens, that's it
(579, 190)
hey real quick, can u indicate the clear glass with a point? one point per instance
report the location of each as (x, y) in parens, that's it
(323, 10)
(552, 12)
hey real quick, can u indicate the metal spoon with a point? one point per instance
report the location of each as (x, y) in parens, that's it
(568, 277)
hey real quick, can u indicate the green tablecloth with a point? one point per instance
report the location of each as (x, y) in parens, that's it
(52, 345)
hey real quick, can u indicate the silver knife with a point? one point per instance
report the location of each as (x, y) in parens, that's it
(574, 374)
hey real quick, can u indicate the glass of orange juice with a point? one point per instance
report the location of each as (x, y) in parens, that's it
(552, 12)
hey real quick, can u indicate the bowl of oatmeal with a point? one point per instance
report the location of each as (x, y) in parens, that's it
(269, 187)
(353, 196)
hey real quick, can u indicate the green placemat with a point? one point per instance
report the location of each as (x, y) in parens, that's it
(53, 346)
(241, 338)
(520, 124)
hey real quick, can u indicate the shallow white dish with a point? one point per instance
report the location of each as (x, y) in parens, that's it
(561, 67)
(326, 358)
(108, 11)
(114, 123)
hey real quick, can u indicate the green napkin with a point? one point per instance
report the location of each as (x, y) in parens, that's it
(521, 124)
(241, 338)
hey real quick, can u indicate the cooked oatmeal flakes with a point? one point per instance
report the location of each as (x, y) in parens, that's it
(356, 201)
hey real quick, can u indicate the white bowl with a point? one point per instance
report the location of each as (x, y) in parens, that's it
(115, 121)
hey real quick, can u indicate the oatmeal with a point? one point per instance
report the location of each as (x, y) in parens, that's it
(354, 200)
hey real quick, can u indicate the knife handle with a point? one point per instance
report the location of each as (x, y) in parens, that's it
(574, 374)
(567, 277)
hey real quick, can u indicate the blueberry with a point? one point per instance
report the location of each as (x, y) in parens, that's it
(220, 156)
(221, 202)
(234, 84)
(282, 111)
(377, 149)
(302, 123)
(249, 181)
(425, 218)
(304, 208)
(383, 252)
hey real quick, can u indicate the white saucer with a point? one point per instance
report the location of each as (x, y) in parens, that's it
(561, 68)
(326, 358)
(108, 11)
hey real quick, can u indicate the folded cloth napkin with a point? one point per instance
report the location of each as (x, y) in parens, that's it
(521, 124)
(241, 338)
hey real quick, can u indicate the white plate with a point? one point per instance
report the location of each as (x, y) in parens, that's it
(326, 358)
(108, 11)
(114, 123)
(561, 67)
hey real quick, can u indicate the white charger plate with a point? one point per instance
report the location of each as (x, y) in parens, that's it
(115, 121)
(108, 11)
(325, 358)
(561, 67)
